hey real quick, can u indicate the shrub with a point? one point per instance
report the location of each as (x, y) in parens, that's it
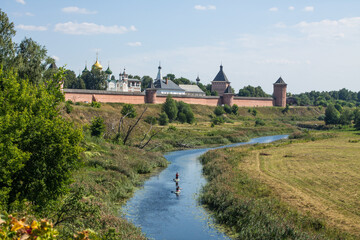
(163, 119)
(129, 110)
(150, 120)
(217, 120)
(286, 109)
(68, 107)
(95, 104)
(259, 122)
(332, 115)
(235, 109)
(219, 111)
(182, 117)
(97, 126)
(227, 109)
(172, 128)
(185, 113)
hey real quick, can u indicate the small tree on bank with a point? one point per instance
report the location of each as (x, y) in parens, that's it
(332, 115)
(170, 108)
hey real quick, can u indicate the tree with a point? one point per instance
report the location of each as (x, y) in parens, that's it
(332, 115)
(346, 117)
(250, 91)
(163, 119)
(357, 118)
(97, 126)
(128, 111)
(171, 76)
(185, 113)
(170, 108)
(94, 79)
(181, 80)
(39, 149)
(145, 82)
(227, 109)
(7, 47)
(32, 60)
(73, 82)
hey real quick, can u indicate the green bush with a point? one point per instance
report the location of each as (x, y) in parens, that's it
(163, 119)
(68, 107)
(97, 126)
(95, 104)
(129, 111)
(218, 120)
(227, 109)
(170, 108)
(235, 109)
(259, 122)
(150, 120)
(219, 110)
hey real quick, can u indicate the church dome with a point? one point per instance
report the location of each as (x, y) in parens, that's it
(108, 71)
(97, 65)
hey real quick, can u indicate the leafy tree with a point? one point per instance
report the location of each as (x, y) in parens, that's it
(97, 126)
(259, 122)
(7, 47)
(94, 79)
(357, 118)
(250, 91)
(338, 107)
(32, 60)
(185, 113)
(346, 117)
(332, 115)
(181, 80)
(170, 108)
(38, 148)
(145, 82)
(219, 111)
(182, 117)
(234, 109)
(129, 111)
(163, 119)
(170, 76)
(73, 82)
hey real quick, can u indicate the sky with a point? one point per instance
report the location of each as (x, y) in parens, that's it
(311, 44)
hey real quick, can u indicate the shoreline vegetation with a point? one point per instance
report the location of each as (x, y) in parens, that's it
(303, 188)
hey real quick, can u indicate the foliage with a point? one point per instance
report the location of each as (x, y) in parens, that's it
(13, 228)
(68, 107)
(234, 109)
(259, 122)
(357, 118)
(250, 91)
(170, 108)
(150, 120)
(286, 109)
(217, 120)
(129, 111)
(346, 117)
(95, 104)
(94, 79)
(181, 80)
(185, 113)
(163, 119)
(219, 110)
(253, 111)
(39, 148)
(145, 82)
(227, 109)
(97, 126)
(7, 47)
(73, 82)
(332, 115)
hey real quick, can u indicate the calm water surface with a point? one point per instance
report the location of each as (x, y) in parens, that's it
(162, 215)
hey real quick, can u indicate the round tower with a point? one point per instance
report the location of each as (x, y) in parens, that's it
(280, 93)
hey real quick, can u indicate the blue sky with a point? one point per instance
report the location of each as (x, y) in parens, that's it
(312, 45)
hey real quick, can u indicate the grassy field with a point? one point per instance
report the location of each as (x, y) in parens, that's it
(308, 187)
(321, 177)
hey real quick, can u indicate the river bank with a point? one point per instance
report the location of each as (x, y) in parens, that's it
(254, 208)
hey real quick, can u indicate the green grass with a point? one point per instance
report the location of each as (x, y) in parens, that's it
(252, 190)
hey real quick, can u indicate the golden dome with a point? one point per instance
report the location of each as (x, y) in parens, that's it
(97, 65)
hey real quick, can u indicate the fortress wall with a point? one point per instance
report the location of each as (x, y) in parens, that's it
(78, 97)
(253, 102)
(209, 101)
(133, 99)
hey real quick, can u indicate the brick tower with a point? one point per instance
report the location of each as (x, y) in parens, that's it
(220, 82)
(280, 93)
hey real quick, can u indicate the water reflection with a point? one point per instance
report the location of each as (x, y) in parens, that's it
(163, 215)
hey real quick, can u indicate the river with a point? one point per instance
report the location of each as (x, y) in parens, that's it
(162, 215)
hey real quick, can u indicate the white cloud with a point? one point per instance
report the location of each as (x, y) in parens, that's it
(21, 1)
(56, 58)
(280, 25)
(74, 9)
(204, 8)
(134, 44)
(309, 9)
(331, 29)
(31, 27)
(29, 14)
(273, 9)
(291, 8)
(90, 28)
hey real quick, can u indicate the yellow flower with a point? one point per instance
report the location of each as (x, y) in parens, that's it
(16, 224)
(34, 225)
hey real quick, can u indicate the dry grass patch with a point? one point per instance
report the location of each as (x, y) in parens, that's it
(318, 177)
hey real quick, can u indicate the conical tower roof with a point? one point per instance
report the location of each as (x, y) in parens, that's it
(280, 81)
(221, 77)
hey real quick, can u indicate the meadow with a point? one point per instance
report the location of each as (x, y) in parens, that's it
(299, 188)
